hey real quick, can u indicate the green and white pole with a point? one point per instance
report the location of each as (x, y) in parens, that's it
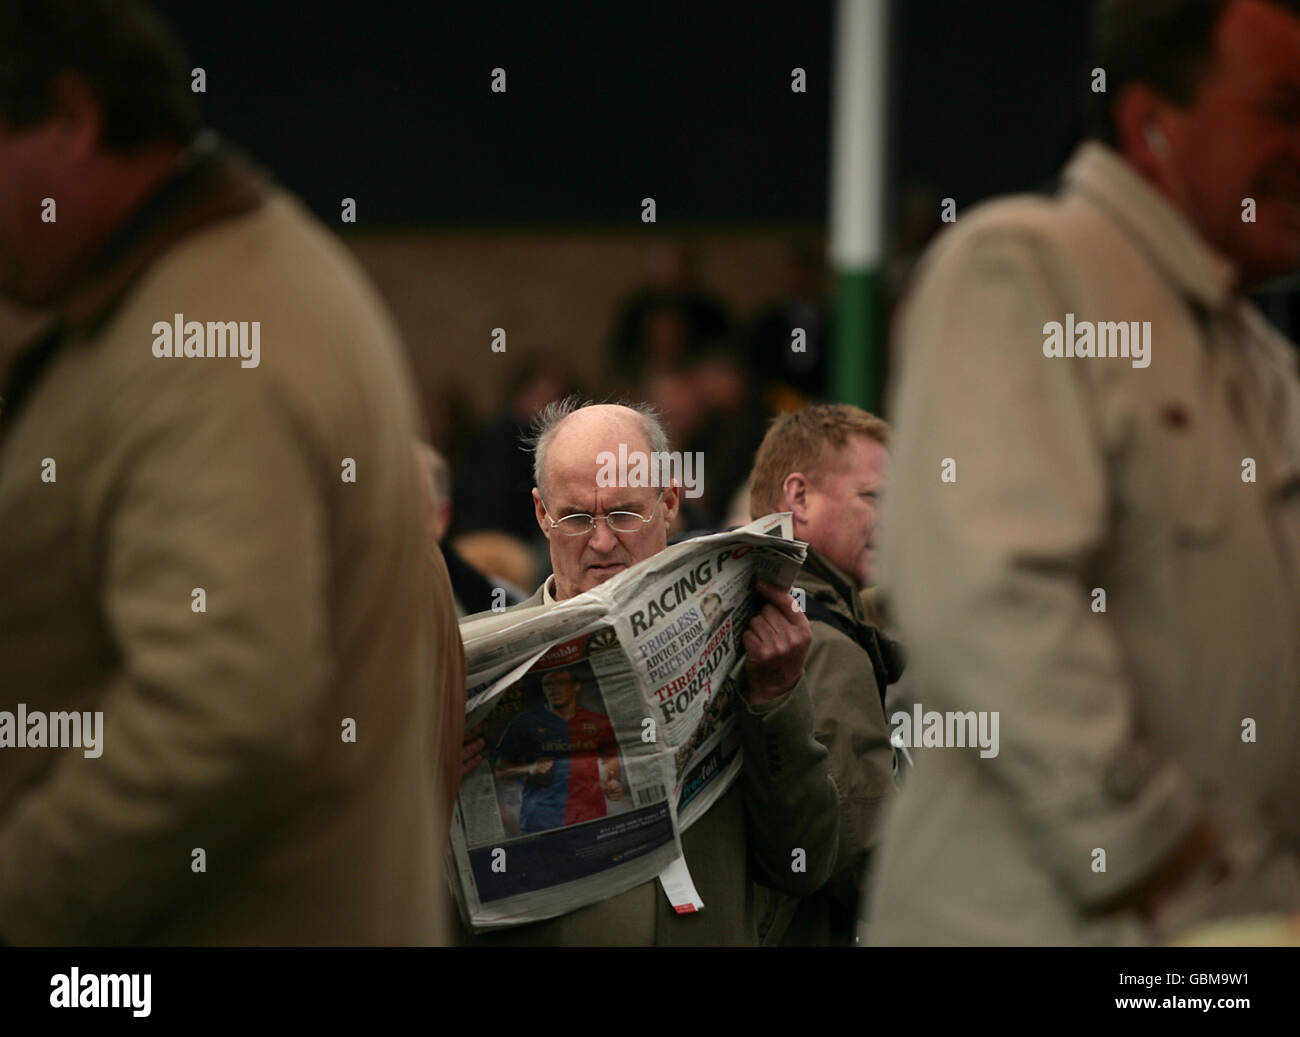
(857, 201)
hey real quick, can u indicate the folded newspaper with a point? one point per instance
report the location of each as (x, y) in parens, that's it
(611, 727)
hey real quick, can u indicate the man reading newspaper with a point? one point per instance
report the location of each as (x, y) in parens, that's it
(773, 834)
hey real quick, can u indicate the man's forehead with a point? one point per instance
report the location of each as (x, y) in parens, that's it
(575, 468)
(585, 495)
(583, 446)
(586, 433)
(859, 457)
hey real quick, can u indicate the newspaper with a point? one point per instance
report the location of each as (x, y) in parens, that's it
(610, 725)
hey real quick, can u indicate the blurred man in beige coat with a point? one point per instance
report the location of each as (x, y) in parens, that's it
(1095, 535)
(212, 534)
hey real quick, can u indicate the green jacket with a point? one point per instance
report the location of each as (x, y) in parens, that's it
(739, 853)
(849, 720)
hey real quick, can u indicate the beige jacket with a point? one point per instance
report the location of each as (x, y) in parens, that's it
(1073, 476)
(224, 728)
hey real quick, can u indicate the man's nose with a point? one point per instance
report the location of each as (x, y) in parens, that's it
(602, 537)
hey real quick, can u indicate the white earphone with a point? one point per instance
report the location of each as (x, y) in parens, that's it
(1156, 139)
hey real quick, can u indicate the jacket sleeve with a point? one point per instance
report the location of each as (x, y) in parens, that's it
(849, 721)
(987, 569)
(211, 714)
(790, 796)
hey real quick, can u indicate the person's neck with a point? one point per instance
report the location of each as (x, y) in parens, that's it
(850, 580)
(125, 184)
(1178, 196)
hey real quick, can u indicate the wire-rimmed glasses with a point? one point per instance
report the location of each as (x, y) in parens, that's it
(619, 521)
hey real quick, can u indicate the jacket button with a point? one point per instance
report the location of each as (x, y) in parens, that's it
(1127, 773)
(1175, 416)
(773, 757)
(1234, 401)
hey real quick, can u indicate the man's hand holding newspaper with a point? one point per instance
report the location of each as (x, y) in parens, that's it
(776, 645)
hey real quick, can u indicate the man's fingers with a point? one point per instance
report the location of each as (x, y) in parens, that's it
(780, 634)
(781, 599)
(470, 748)
(783, 625)
(761, 627)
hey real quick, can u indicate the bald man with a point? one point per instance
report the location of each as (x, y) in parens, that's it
(781, 814)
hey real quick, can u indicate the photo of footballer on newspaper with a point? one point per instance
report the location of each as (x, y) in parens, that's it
(556, 760)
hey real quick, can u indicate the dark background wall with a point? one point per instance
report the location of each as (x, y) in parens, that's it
(610, 102)
(988, 95)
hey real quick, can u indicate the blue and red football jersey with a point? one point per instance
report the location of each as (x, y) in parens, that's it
(570, 792)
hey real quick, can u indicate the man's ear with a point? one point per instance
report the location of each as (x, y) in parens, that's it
(794, 496)
(539, 509)
(1140, 116)
(672, 501)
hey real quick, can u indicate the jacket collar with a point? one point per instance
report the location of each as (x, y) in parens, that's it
(1193, 267)
(210, 183)
(837, 589)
